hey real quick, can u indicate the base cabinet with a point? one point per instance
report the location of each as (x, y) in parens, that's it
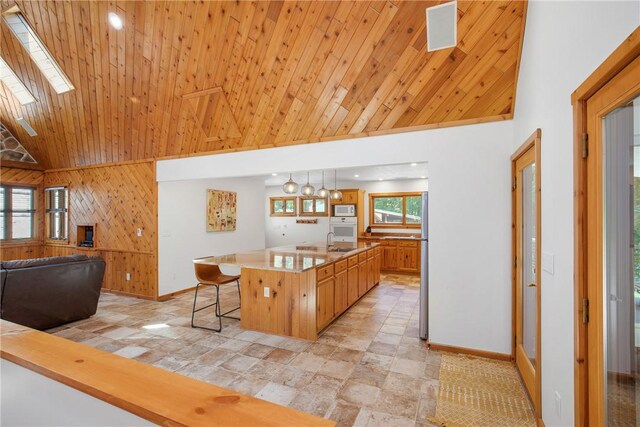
(341, 292)
(325, 302)
(352, 285)
(400, 256)
(342, 283)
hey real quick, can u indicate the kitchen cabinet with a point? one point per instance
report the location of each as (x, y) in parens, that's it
(399, 255)
(362, 278)
(390, 258)
(408, 256)
(341, 292)
(352, 285)
(325, 304)
(371, 279)
(352, 197)
(378, 264)
(341, 283)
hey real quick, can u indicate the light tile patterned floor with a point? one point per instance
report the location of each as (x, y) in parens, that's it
(367, 368)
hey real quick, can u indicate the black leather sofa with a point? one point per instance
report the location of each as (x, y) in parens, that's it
(43, 293)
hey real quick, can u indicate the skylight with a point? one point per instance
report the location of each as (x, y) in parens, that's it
(17, 88)
(38, 52)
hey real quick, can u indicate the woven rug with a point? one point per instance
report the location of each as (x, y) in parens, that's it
(480, 392)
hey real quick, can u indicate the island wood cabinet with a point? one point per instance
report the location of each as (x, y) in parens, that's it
(342, 283)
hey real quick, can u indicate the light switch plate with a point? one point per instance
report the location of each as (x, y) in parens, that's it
(547, 262)
(266, 292)
(139, 232)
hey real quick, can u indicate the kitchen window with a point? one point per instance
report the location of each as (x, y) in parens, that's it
(282, 206)
(57, 213)
(313, 206)
(17, 213)
(395, 210)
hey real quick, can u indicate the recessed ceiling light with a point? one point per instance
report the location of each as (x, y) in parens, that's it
(274, 174)
(356, 176)
(379, 179)
(423, 177)
(115, 21)
(414, 164)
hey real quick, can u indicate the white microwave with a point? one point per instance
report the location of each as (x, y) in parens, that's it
(344, 210)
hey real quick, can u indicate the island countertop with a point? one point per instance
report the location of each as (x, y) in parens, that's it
(292, 258)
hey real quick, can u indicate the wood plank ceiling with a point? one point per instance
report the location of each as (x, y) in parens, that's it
(197, 77)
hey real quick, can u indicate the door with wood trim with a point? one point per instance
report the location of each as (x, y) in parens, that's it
(526, 216)
(612, 239)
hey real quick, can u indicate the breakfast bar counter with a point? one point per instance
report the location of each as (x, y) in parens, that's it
(298, 290)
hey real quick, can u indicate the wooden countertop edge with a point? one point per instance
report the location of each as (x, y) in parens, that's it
(159, 396)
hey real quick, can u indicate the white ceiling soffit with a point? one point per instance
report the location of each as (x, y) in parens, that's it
(366, 173)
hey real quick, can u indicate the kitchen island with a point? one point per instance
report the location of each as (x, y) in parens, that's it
(298, 290)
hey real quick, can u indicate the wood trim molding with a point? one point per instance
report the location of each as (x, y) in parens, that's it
(470, 351)
(622, 56)
(168, 296)
(157, 395)
(21, 165)
(534, 141)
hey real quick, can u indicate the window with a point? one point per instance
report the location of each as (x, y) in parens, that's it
(15, 85)
(313, 206)
(37, 50)
(57, 208)
(283, 206)
(395, 210)
(17, 213)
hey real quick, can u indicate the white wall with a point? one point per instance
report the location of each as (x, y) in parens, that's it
(31, 399)
(182, 227)
(284, 230)
(469, 174)
(564, 43)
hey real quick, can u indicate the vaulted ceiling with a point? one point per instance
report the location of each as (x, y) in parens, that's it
(197, 77)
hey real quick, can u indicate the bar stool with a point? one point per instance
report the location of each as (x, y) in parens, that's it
(210, 275)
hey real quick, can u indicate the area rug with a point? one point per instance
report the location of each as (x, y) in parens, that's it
(480, 392)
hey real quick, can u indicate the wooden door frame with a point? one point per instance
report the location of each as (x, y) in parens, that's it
(533, 142)
(624, 54)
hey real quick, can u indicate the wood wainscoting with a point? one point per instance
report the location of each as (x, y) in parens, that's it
(119, 200)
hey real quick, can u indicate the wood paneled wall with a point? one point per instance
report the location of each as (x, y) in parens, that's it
(118, 199)
(32, 248)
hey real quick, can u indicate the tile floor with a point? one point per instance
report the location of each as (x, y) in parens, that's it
(367, 368)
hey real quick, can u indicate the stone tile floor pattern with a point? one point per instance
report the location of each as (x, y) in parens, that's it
(368, 368)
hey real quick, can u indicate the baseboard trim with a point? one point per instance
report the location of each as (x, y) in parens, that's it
(127, 294)
(470, 351)
(173, 294)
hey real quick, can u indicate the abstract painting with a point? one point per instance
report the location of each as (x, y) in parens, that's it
(221, 210)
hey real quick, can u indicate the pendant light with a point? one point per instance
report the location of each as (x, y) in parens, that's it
(323, 192)
(290, 187)
(307, 189)
(336, 194)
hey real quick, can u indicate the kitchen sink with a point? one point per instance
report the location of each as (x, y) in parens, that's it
(341, 249)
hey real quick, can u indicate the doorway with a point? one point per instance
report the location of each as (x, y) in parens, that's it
(608, 257)
(526, 217)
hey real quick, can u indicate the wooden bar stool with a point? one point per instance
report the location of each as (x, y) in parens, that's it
(210, 275)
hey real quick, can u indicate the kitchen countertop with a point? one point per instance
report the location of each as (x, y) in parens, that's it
(292, 258)
(408, 237)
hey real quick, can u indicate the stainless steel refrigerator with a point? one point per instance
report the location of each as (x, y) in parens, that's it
(424, 269)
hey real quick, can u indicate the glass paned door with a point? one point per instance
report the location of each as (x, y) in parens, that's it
(621, 263)
(526, 220)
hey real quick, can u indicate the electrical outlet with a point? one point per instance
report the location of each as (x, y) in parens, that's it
(128, 276)
(558, 405)
(266, 292)
(139, 231)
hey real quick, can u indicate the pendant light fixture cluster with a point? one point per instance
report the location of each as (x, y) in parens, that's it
(291, 187)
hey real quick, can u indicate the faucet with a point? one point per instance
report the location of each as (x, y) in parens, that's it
(328, 240)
